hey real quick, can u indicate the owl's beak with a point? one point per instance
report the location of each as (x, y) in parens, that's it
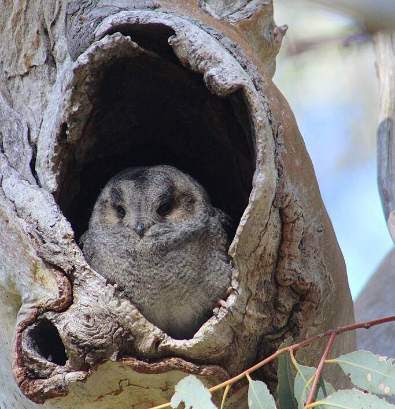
(139, 228)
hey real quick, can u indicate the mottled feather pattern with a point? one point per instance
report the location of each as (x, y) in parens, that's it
(154, 233)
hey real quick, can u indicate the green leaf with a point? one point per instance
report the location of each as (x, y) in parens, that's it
(368, 371)
(259, 396)
(285, 383)
(352, 399)
(193, 393)
(303, 382)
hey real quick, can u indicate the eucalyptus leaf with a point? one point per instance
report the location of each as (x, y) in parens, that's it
(193, 393)
(352, 399)
(259, 396)
(285, 391)
(303, 383)
(368, 371)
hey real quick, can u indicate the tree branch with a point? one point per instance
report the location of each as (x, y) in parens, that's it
(331, 333)
(385, 54)
(375, 15)
(320, 367)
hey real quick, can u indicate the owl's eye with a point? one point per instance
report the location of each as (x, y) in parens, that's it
(165, 208)
(120, 212)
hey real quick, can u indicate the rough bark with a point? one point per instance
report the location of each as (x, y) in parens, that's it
(70, 118)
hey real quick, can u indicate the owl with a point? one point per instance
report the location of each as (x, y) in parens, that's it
(155, 234)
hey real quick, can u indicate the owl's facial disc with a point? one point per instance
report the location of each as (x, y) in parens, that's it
(140, 204)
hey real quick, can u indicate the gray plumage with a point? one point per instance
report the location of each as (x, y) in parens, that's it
(154, 232)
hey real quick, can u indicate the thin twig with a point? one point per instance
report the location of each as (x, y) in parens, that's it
(249, 370)
(320, 367)
(226, 391)
(294, 347)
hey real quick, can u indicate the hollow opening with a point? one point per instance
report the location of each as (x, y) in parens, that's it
(150, 110)
(45, 339)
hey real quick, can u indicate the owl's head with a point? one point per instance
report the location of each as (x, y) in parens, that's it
(146, 198)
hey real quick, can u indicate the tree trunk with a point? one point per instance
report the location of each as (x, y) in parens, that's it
(385, 52)
(91, 87)
(376, 299)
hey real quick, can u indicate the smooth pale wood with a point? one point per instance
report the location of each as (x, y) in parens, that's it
(377, 300)
(385, 55)
(375, 15)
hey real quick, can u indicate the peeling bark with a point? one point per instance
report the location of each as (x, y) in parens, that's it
(71, 338)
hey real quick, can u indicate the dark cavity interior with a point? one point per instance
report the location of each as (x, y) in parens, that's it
(46, 341)
(150, 110)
